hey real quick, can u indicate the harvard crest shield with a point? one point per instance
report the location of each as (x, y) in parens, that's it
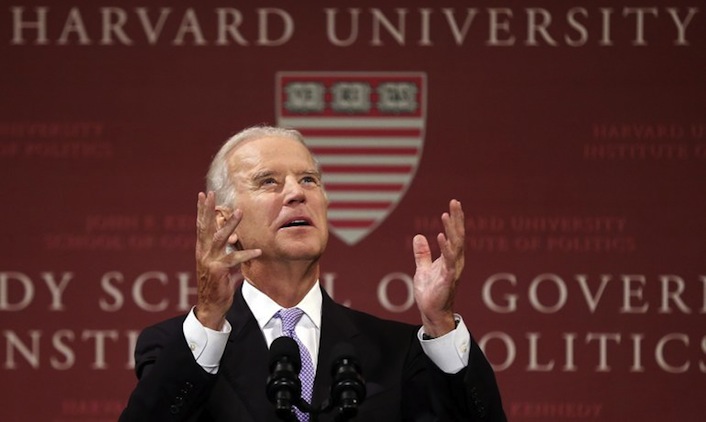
(366, 129)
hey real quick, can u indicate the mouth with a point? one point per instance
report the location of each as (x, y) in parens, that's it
(297, 222)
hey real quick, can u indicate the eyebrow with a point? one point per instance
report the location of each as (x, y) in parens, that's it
(311, 173)
(262, 174)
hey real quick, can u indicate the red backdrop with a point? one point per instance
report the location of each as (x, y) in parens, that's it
(573, 132)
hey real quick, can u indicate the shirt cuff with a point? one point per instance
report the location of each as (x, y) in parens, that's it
(449, 352)
(207, 345)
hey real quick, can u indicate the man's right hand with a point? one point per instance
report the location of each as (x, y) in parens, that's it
(215, 266)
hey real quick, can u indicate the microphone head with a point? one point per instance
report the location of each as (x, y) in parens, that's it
(348, 385)
(283, 385)
(285, 348)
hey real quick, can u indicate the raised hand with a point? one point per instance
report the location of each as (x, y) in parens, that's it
(435, 281)
(215, 266)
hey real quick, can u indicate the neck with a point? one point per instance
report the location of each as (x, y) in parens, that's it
(285, 282)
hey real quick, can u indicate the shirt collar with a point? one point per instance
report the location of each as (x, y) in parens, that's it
(264, 308)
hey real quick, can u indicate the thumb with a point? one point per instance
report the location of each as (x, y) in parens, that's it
(422, 253)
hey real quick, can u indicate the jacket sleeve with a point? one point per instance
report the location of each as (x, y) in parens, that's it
(171, 385)
(481, 388)
(470, 395)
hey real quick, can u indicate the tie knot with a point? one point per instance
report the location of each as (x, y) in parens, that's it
(289, 318)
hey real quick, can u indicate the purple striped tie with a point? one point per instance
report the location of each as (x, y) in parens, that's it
(289, 318)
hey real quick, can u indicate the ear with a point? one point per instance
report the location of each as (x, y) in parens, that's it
(223, 214)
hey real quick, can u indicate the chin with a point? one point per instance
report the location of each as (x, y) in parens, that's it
(303, 252)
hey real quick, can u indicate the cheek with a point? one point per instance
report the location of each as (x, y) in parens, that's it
(263, 209)
(264, 217)
(322, 202)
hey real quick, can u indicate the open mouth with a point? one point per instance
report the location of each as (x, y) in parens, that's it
(299, 222)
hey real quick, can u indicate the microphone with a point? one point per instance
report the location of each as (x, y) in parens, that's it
(283, 386)
(348, 387)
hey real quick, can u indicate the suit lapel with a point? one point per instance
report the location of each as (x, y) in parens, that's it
(336, 327)
(244, 367)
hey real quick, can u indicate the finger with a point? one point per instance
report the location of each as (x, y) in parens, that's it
(226, 234)
(200, 206)
(205, 216)
(236, 258)
(457, 216)
(203, 239)
(452, 242)
(454, 224)
(448, 252)
(422, 253)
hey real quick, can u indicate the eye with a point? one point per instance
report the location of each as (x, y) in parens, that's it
(309, 180)
(268, 181)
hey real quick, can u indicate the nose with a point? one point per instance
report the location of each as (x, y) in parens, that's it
(293, 191)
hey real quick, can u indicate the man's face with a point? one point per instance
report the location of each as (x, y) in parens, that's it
(279, 190)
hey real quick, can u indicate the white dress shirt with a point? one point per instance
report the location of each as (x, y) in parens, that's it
(449, 352)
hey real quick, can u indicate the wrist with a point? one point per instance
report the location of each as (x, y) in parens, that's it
(438, 327)
(214, 321)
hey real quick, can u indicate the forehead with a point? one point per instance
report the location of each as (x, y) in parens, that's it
(271, 153)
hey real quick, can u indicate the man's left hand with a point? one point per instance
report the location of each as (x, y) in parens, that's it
(435, 281)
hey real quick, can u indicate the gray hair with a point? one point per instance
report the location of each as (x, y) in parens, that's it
(218, 179)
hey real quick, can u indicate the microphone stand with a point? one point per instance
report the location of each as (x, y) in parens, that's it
(345, 412)
(347, 390)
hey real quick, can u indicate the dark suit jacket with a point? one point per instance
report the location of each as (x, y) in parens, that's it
(402, 383)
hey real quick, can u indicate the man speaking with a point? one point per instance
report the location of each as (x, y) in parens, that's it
(265, 216)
